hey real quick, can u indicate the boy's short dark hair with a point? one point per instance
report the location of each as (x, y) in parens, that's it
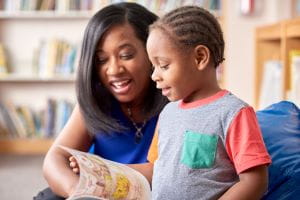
(191, 26)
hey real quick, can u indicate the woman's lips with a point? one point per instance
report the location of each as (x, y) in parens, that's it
(121, 87)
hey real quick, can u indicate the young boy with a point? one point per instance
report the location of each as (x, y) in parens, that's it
(208, 144)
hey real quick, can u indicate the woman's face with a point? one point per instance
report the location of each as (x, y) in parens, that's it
(123, 64)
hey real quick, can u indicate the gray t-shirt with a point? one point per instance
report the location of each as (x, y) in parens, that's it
(192, 161)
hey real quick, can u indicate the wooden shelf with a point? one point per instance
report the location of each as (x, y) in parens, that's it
(274, 42)
(22, 78)
(25, 146)
(292, 28)
(270, 32)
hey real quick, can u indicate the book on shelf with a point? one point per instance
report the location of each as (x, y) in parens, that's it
(27, 117)
(12, 123)
(294, 77)
(104, 179)
(4, 133)
(3, 61)
(271, 90)
(56, 115)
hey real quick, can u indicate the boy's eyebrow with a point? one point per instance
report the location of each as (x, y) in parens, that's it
(161, 58)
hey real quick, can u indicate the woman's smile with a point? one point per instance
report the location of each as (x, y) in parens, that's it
(121, 86)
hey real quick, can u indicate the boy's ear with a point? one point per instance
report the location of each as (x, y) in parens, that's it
(202, 56)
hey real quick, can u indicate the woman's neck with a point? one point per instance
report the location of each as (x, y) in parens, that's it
(133, 111)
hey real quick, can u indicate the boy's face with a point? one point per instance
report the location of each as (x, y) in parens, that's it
(176, 71)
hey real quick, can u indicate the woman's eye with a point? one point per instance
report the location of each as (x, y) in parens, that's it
(126, 56)
(100, 61)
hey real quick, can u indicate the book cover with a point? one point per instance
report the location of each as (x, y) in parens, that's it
(3, 61)
(271, 90)
(294, 78)
(107, 180)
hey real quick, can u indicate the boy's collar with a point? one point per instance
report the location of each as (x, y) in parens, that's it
(204, 101)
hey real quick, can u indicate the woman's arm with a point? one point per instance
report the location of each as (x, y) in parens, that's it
(147, 168)
(252, 185)
(56, 167)
(144, 168)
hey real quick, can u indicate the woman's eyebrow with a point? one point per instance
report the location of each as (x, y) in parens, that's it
(122, 46)
(125, 45)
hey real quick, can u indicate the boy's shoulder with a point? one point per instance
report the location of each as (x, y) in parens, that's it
(231, 100)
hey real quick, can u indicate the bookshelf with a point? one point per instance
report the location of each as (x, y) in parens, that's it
(23, 30)
(25, 146)
(275, 42)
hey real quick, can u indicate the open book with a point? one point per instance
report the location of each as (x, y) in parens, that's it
(107, 180)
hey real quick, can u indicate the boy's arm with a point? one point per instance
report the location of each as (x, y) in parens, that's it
(252, 185)
(245, 147)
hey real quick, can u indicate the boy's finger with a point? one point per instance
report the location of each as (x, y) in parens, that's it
(71, 158)
(76, 170)
(73, 164)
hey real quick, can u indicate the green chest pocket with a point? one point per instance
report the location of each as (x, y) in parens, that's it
(199, 150)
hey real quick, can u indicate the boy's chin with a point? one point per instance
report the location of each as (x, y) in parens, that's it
(170, 98)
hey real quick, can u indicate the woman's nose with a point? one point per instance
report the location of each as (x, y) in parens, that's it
(115, 68)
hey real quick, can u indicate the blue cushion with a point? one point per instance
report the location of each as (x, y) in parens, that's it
(280, 125)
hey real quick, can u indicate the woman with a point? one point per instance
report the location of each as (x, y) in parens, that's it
(118, 104)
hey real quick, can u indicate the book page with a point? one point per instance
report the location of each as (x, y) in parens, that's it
(271, 89)
(104, 179)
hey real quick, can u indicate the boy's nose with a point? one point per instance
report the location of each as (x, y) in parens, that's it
(154, 75)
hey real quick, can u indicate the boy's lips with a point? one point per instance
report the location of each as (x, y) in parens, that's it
(166, 91)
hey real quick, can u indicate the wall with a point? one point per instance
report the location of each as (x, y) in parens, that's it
(240, 37)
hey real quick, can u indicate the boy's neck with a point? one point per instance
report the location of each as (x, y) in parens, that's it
(211, 87)
(206, 92)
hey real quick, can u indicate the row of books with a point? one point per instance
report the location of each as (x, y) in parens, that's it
(55, 56)
(47, 5)
(52, 57)
(93, 5)
(272, 87)
(23, 122)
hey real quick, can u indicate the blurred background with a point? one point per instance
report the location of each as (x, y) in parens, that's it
(39, 49)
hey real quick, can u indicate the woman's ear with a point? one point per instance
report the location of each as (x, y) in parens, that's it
(202, 56)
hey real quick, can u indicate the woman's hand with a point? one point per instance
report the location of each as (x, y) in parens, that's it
(74, 165)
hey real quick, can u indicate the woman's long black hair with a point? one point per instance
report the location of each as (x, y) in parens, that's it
(94, 99)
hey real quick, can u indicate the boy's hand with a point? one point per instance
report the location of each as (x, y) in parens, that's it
(74, 165)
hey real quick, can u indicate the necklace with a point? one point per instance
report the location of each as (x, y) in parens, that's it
(138, 134)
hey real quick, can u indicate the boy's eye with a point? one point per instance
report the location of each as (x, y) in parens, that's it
(164, 67)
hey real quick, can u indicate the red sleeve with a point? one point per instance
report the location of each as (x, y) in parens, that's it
(244, 142)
